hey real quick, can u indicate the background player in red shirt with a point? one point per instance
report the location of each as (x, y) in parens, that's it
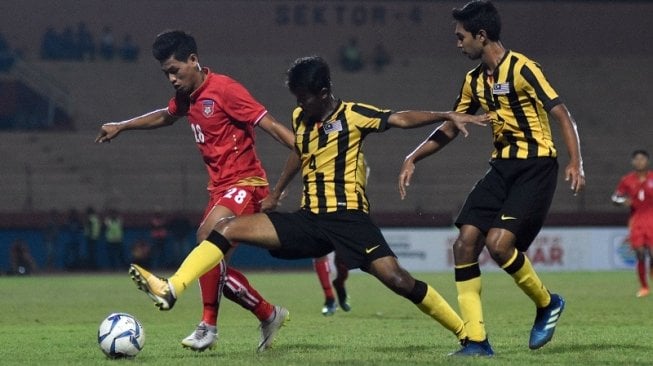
(222, 115)
(636, 191)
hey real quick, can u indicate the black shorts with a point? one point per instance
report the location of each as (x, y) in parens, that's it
(515, 194)
(351, 234)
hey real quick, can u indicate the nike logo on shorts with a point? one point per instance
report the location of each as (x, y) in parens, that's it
(370, 250)
(506, 218)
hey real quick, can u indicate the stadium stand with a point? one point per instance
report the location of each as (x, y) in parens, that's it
(140, 171)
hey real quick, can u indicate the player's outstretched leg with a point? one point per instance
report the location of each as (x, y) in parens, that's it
(164, 292)
(425, 297)
(157, 288)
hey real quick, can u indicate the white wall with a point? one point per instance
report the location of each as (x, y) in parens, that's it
(555, 249)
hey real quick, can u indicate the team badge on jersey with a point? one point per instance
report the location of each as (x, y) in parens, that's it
(208, 107)
(333, 126)
(501, 88)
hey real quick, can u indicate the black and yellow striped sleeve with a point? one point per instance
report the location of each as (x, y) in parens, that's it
(370, 118)
(536, 84)
(465, 102)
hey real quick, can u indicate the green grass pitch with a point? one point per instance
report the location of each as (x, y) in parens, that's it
(53, 319)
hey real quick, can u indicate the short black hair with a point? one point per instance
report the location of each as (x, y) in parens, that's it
(477, 15)
(310, 73)
(175, 43)
(639, 152)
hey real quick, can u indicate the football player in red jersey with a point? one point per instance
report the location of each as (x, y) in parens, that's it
(222, 115)
(636, 191)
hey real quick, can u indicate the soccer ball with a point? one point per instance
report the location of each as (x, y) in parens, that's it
(120, 335)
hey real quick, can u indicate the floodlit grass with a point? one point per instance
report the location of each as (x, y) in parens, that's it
(52, 319)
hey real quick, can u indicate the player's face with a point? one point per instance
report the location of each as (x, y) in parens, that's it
(185, 76)
(313, 105)
(467, 43)
(640, 162)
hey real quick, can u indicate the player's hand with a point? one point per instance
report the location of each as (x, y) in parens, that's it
(271, 202)
(461, 119)
(621, 200)
(574, 173)
(108, 131)
(406, 173)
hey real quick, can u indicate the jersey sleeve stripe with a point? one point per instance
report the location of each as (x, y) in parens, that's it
(365, 111)
(258, 119)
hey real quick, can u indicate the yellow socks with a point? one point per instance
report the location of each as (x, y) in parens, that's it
(521, 269)
(199, 261)
(468, 284)
(435, 306)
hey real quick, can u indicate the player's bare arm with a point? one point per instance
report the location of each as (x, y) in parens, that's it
(413, 119)
(434, 143)
(151, 120)
(574, 171)
(291, 168)
(278, 131)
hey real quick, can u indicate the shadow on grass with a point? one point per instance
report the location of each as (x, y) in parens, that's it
(383, 316)
(294, 347)
(594, 349)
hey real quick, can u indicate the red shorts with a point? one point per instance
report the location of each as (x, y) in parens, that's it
(241, 200)
(641, 234)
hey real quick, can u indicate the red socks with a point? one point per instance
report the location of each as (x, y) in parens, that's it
(641, 272)
(236, 288)
(323, 269)
(211, 284)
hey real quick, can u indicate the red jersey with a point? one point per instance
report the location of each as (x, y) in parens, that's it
(222, 115)
(640, 193)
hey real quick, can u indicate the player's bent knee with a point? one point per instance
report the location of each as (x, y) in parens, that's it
(500, 253)
(224, 221)
(464, 250)
(400, 282)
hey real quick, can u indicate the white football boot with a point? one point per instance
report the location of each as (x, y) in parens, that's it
(270, 327)
(203, 337)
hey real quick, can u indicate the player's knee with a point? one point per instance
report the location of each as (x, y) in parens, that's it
(464, 250)
(401, 282)
(223, 226)
(499, 251)
(202, 234)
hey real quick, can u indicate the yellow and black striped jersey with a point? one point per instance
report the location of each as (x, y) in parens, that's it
(517, 97)
(333, 166)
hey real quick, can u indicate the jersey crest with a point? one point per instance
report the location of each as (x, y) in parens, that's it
(208, 107)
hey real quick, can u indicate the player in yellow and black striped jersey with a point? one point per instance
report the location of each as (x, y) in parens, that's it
(517, 96)
(506, 209)
(333, 167)
(334, 217)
